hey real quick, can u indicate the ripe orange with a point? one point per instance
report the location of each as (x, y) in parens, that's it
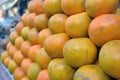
(24, 18)
(33, 71)
(25, 64)
(104, 28)
(9, 44)
(52, 7)
(109, 58)
(42, 58)
(35, 6)
(13, 36)
(7, 60)
(30, 20)
(19, 27)
(4, 55)
(12, 66)
(43, 34)
(71, 7)
(18, 57)
(43, 75)
(25, 78)
(33, 36)
(25, 46)
(53, 45)
(59, 70)
(77, 25)
(25, 32)
(18, 74)
(41, 22)
(12, 50)
(19, 40)
(33, 51)
(99, 7)
(79, 51)
(90, 72)
(57, 23)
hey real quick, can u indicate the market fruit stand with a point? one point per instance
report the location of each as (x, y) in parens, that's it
(65, 40)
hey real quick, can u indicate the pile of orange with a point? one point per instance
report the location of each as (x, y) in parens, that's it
(66, 40)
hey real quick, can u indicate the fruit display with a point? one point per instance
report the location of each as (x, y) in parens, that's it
(66, 40)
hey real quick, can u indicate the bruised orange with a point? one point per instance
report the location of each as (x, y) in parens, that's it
(99, 7)
(104, 28)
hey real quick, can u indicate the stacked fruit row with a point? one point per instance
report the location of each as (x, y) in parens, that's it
(66, 40)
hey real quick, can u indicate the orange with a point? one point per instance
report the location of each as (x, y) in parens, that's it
(12, 50)
(18, 74)
(42, 58)
(25, 46)
(3, 55)
(104, 28)
(109, 58)
(19, 27)
(19, 40)
(57, 23)
(25, 32)
(43, 34)
(99, 7)
(43, 75)
(35, 6)
(9, 44)
(33, 36)
(52, 7)
(90, 72)
(33, 52)
(41, 22)
(79, 51)
(30, 20)
(59, 70)
(24, 18)
(33, 71)
(26, 62)
(77, 25)
(18, 57)
(13, 36)
(71, 7)
(25, 78)
(12, 66)
(7, 60)
(53, 45)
